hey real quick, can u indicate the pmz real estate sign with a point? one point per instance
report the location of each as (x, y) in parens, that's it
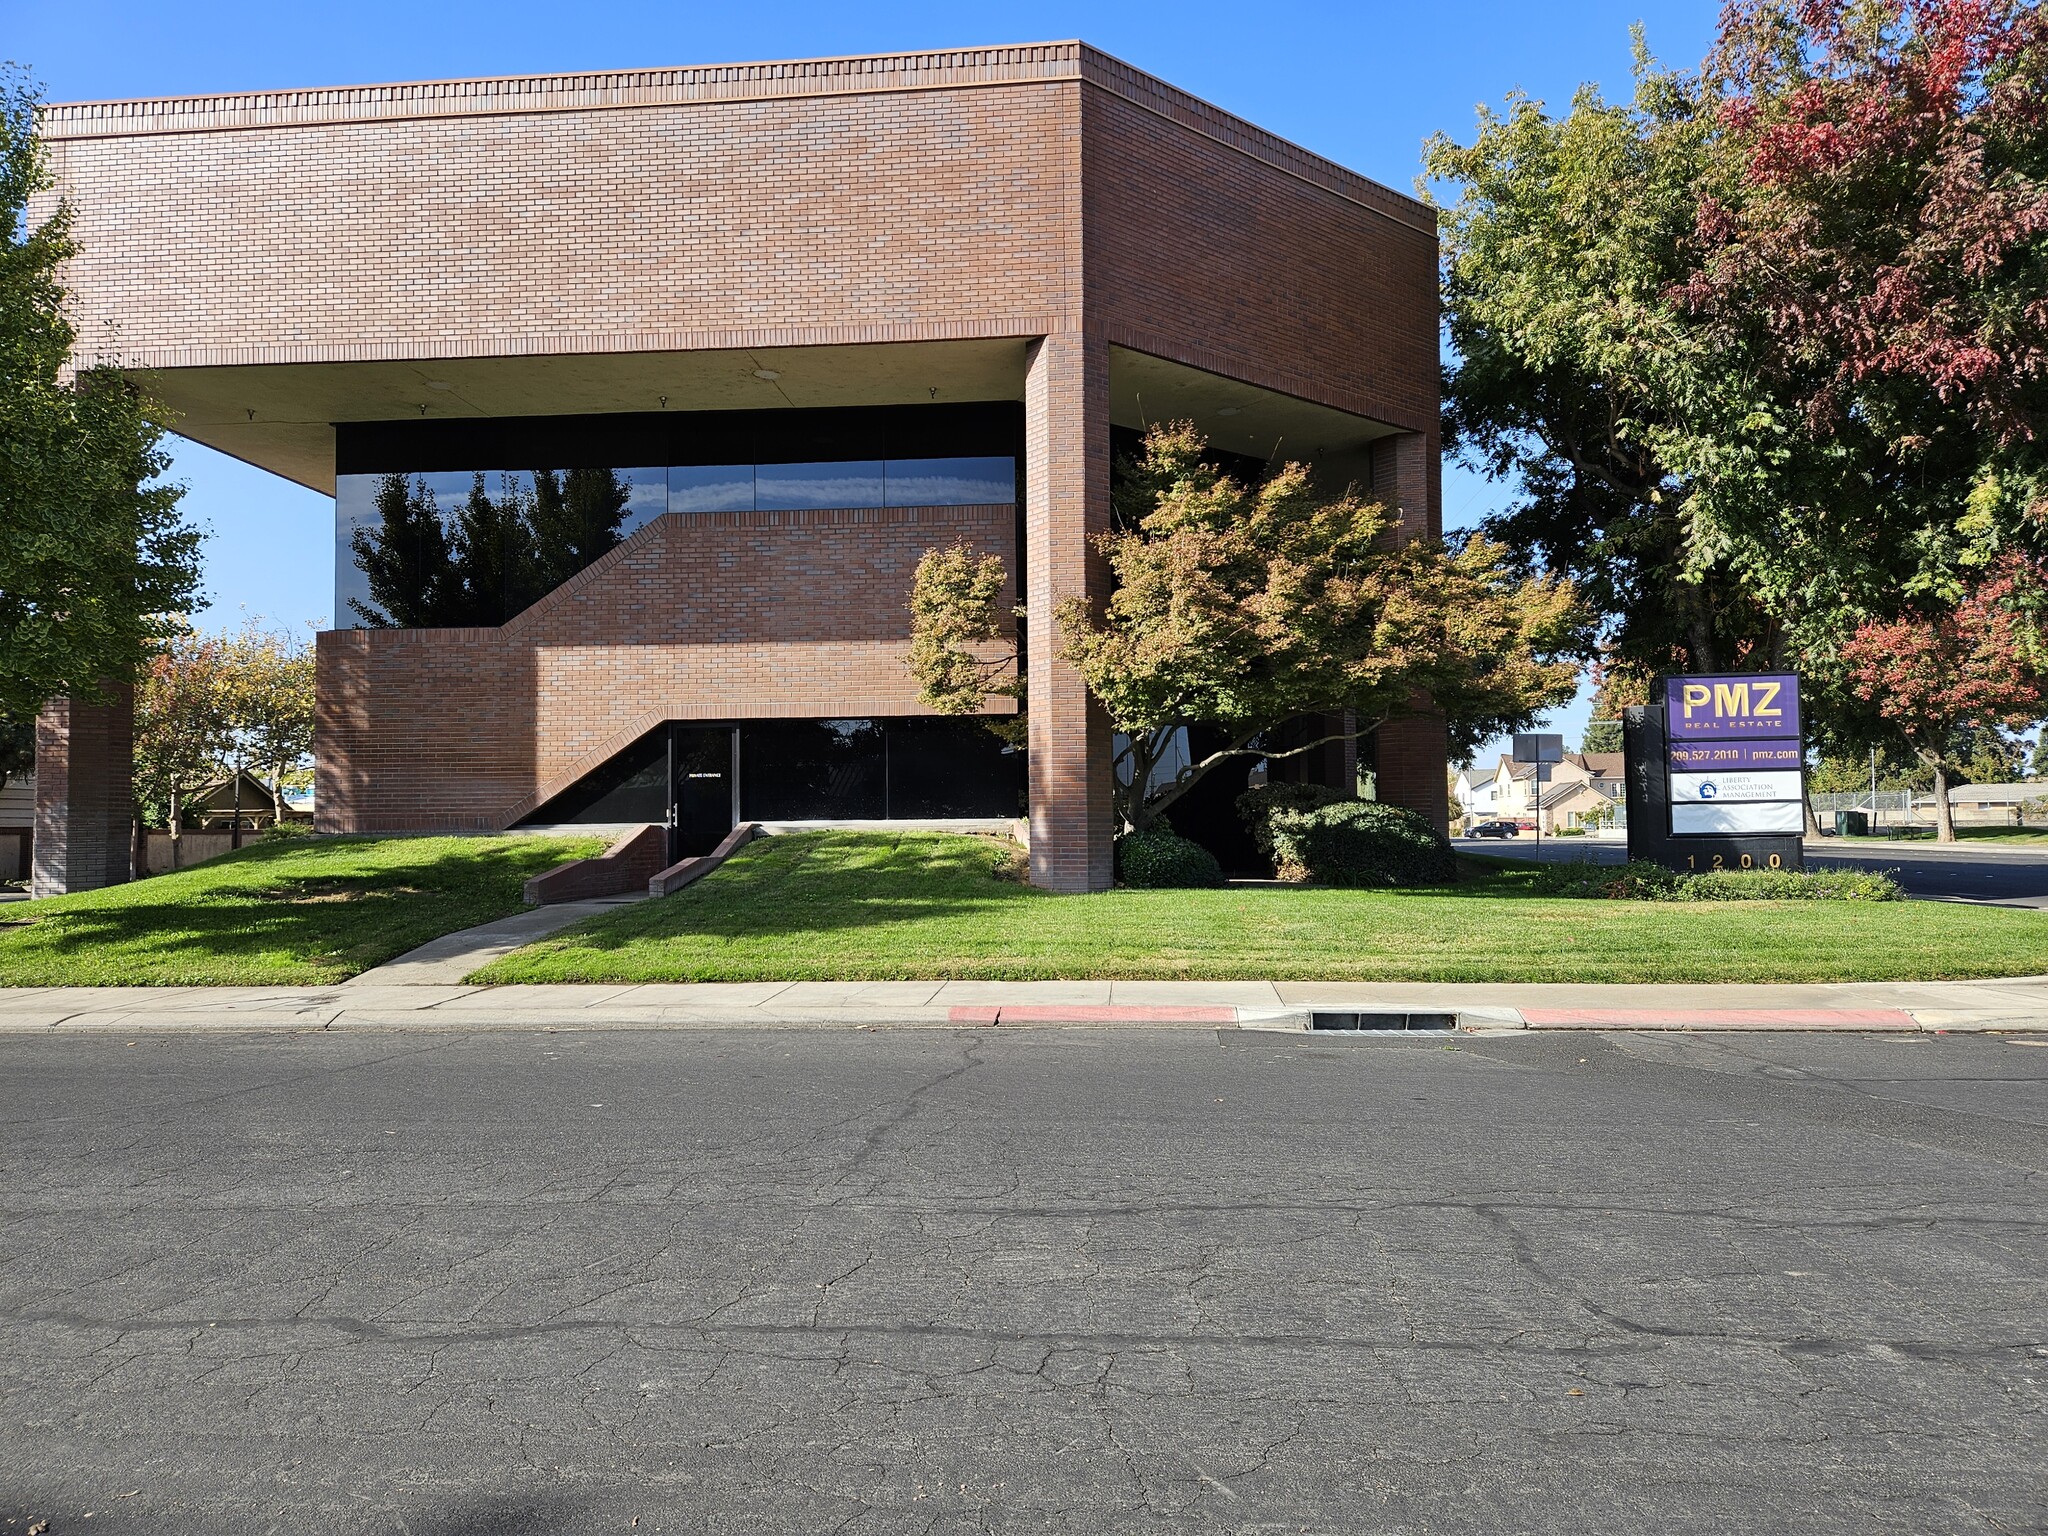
(1716, 774)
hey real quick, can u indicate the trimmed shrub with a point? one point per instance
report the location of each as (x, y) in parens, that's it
(1641, 880)
(1159, 858)
(1258, 806)
(1359, 842)
(1789, 885)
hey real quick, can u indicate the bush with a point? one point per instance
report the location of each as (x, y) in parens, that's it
(1359, 842)
(1637, 880)
(1159, 858)
(1641, 880)
(1790, 885)
(280, 831)
(1258, 807)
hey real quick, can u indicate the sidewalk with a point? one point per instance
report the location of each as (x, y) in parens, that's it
(2019, 1004)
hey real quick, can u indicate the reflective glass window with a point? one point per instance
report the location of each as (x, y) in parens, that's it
(800, 487)
(951, 482)
(448, 549)
(812, 770)
(711, 488)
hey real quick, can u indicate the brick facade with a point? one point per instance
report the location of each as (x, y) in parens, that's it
(1045, 193)
(706, 616)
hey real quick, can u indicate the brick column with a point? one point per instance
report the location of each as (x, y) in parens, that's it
(1407, 475)
(85, 799)
(1066, 502)
(1412, 755)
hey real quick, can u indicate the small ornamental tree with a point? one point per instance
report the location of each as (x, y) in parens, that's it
(184, 733)
(1243, 607)
(1933, 679)
(267, 676)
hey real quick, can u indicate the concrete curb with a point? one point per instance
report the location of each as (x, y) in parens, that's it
(464, 1009)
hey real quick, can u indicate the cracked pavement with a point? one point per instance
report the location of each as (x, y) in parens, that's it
(1076, 1281)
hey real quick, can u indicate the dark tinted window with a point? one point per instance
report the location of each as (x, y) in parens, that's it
(812, 770)
(631, 787)
(940, 767)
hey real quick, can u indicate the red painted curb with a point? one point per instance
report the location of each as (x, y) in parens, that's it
(1717, 1018)
(1008, 1013)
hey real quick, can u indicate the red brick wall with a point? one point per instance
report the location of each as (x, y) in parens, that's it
(1199, 253)
(705, 616)
(642, 228)
(85, 801)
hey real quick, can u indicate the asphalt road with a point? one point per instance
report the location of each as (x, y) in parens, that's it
(1061, 1281)
(2013, 876)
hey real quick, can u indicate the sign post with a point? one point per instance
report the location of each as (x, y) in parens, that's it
(1717, 774)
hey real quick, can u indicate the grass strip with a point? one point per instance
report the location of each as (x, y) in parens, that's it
(930, 906)
(297, 912)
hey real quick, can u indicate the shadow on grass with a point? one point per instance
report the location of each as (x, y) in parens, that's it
(311, 911)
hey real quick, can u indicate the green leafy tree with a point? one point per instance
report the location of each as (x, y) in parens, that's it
(1602, 736)
(963, 637)
(1245, 607)
(17, 749)
(1763, 351)
(95, 560)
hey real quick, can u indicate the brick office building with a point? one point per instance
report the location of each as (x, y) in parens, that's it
(641, 393)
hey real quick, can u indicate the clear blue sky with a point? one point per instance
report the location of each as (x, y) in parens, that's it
(1362, 82)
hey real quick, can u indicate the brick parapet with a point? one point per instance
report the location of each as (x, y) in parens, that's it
(865, 74)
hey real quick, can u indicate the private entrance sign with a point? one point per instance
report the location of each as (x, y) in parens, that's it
(1716, 776)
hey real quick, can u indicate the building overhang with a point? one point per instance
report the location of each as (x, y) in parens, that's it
(281, 416)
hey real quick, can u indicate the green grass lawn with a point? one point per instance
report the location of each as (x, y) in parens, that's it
(302, 911)
(875, 906)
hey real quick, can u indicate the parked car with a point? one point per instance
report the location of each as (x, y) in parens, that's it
(1495, 829)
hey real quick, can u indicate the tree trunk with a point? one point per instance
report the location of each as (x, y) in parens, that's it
(176, 817)
(1944, 817)
(277, 793)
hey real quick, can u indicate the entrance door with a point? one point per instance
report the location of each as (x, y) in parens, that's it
(701, 800)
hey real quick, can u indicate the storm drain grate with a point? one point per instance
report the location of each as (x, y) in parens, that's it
(1356, 1022)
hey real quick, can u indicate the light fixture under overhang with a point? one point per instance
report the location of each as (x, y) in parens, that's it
(439, 384)
(1226, 410)
(769, 375)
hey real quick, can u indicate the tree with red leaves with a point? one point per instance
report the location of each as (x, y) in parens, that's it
(1933, 676)
(1767, 350)
(1874, 244)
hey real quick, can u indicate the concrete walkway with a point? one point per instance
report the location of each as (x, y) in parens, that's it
(445, 961)
(365, 1003)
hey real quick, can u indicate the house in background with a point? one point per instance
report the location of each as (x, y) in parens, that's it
(17, 826)
(1563, 794)
(216, 808)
